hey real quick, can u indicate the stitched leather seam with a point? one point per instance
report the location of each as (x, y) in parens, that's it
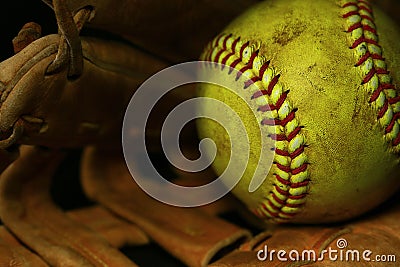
(291, 174)
(376, 79)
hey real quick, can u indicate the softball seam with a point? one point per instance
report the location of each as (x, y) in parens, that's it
(290, 161)
(377, 81)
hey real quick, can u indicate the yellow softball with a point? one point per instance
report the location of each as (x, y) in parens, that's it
(328, 72)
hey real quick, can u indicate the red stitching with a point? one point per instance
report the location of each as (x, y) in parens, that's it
(297, 152)
(244, 46)
(277, 199)
(292, 205)
(251, 81)
(366, 56)
(287, 214)
(256, 212)
(216, 41)
(272, 214)
(382, 71)
(369, 76)
(280, 101)
(234, 63)
(365, 6)
(280, 191)
(225, 41)
(380, 89)
(300, 169)
(354, 27)
(235, 43)
(389, 128)
(284, 168)
(360, 25)
(362, 40)
(396, 141)
(294, 197)
(225, 59)
(383, 110)
(277, 137)
(349, 4)
(207, 56)
(272, 84)
(367, 18)
(264, 108)
(369, 28)
(247, 67)
(286, 120)
(281, 180)
(294, 133)
(271, 205)
(259, 93)
(282, 152)
(217, 56)
(288, 169)
(293, 155)
(268, 121)
(263, 206)
(365, 3)
(253, 56)
(263, 69)
(394, 100)
(301, 184)
(242, 70)
(349, 14)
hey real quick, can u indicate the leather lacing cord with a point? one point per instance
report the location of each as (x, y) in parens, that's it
(69, 54)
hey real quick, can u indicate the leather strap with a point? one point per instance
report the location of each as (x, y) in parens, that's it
(57, 112)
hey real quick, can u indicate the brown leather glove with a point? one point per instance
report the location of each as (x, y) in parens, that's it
(116, 231)
(191, 234)
(63, 91)
(332, 245)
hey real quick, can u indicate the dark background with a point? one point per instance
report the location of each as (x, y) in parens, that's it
(66, 189)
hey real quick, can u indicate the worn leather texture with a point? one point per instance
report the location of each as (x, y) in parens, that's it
(377, 232)
(66, 197)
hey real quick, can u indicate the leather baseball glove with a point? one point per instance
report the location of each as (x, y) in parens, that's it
(68, 91)
(64, 91)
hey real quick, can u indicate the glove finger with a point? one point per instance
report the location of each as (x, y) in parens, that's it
(13, 253)
(26, 208)
(116, 231)
(189, 234)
